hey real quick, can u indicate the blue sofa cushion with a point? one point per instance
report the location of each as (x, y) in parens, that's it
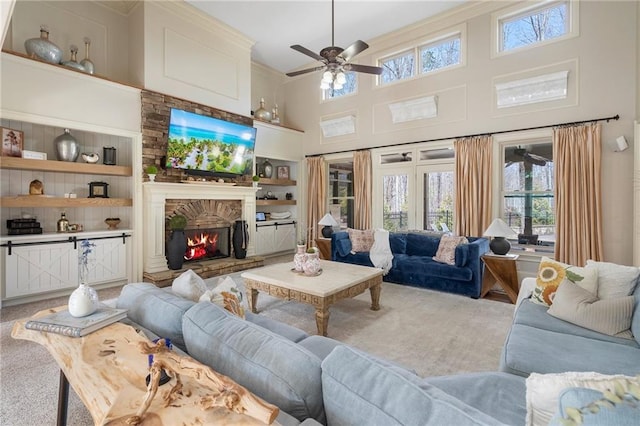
(343, 246)
(398, 242)
(533, 350)
(156, 309)
(508, 393)
(620, 415)
(462, 255)
(287, 331)
(422, 245)
(421, 265)
(358, 390)
(273, 367)
(635, 320)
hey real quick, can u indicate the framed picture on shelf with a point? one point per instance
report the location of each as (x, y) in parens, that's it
(283, 172)
(12, 142)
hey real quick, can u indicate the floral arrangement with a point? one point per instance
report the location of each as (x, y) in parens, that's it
(86, 248)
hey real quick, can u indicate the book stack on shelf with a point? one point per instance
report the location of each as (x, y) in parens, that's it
(23, 226)
(62, 322)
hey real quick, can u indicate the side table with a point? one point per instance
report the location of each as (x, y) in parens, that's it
(324, 245)
(500, 269)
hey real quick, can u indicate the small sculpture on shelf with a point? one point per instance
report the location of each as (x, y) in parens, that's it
(112, 222)
(36, 187)
(90, 157)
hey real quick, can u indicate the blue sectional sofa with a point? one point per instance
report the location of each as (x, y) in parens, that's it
(413, 264)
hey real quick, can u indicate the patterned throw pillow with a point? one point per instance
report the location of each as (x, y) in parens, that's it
(361, 241)
(552, 274)
(227, 295)
(447, 249)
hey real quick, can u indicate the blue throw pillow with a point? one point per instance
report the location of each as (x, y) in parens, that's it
(343, 246)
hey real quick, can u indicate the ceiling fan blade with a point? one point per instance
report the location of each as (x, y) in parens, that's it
(351, 51)
(535, 159)
(307, 52)
(294, 73)
(363, 68)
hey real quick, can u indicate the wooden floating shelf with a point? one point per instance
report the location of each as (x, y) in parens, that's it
(39, 201)
(275, 202)
(16, 163)
(281, 182)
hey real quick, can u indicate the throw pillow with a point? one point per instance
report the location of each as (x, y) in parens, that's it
(360, 240)
(626, 413)
(614, 280)
(577, 306)
(543, 391)
(226, 295)
(447, 249)
(552, 274)
(189, 285)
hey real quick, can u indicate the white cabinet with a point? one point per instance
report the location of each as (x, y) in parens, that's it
(48, 263)
(275, 237)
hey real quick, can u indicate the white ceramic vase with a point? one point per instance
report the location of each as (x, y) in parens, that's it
(83, 301)
(311, 265)
(299, 258)
(152, 177)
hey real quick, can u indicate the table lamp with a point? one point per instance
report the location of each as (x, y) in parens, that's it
(329, 222)
(499, 230)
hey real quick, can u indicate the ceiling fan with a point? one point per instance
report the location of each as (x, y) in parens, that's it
(335, 60)
(538, 160)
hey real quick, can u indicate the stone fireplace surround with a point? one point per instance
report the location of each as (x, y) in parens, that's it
(229, 202)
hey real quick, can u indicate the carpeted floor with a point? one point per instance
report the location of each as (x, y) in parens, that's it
(430, 332)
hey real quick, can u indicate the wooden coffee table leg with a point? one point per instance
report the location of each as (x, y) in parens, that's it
(322, 319)
(253, 300)
(375, 296)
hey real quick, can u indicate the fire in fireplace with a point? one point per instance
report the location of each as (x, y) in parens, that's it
(210, 243)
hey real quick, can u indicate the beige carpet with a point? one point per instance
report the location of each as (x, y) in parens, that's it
(433, 333)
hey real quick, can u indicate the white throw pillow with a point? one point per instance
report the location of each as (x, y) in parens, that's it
(614, 280)
(543, 391)
(189, 285)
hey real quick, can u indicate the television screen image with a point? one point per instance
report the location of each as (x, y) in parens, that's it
(209, 146)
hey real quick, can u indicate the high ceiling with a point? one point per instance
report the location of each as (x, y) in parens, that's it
(276, 25)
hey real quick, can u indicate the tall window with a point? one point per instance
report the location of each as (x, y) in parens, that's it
(340, 194)
(350, 86)
(439, 194)
(528, 184)
(395, 207)
(440, 54)
(534, 26)
(397, 67)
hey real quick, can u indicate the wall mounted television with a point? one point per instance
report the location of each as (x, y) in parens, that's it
(207, 146)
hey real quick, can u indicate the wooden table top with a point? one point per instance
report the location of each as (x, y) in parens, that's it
(335, 277)
(107, 369)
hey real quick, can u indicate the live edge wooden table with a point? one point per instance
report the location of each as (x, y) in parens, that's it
(501, 270)
(336, 282)
(108, 368)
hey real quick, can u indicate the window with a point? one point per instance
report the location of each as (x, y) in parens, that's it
(397, 67)
(527, 188)
(340, 194)
(395, 207)
(350, 86)
(550, 22)
(439, 55)
(439, 193)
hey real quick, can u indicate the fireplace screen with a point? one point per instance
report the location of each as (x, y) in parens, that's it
(212, 243)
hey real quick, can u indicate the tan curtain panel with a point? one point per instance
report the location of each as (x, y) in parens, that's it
(316, 196)
(362, 175)
(578, 196)
(473, 185)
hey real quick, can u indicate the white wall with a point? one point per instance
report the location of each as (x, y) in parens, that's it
(603, 81)
(267, 84)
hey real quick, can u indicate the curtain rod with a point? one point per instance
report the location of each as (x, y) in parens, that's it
(595, 120)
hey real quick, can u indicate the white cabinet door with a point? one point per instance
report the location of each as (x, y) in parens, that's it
(285, 237)
(265, 237)
(109, 260)
(40, 268)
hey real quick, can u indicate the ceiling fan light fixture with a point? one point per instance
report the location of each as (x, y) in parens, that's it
(337, 86)
(341, 78)
(324, 85)
(327, 76)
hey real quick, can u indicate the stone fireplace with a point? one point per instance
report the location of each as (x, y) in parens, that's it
(206, 206)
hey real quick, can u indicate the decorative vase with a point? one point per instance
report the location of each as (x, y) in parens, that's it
(267, 169)
(42, 48)
(262, 113)
(73, 62)
(84, 299)
(240, 238)
(67, 147)
(311, 264)
(152, 177)
(86, 62)
(176, 249)
(299, 258)
(109, 155)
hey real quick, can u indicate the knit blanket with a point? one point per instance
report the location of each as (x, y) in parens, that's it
(380, 253)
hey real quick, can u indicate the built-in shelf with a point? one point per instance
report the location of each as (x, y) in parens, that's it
(40, 201)
(275, 202)
(280, 182)
(16, 163)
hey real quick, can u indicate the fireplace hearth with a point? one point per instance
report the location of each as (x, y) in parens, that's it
(211, 243)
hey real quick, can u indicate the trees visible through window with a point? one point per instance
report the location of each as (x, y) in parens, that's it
(440, 54)
(340, 195)
(397, 67)
(350, 86)
(395, 193)
(439, 194)
(534, 26)
(528, 185)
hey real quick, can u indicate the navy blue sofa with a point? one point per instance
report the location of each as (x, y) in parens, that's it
(413, 264)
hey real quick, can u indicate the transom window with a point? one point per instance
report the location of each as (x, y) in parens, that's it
(441, 54)
(397, 67)
(348, 87)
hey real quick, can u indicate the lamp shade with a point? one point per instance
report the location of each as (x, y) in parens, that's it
(499, 228)
(329, 222)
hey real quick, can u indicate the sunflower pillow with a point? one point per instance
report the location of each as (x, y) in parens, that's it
(552, 274)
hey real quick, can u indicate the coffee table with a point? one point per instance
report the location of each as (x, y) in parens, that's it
(336, 282)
